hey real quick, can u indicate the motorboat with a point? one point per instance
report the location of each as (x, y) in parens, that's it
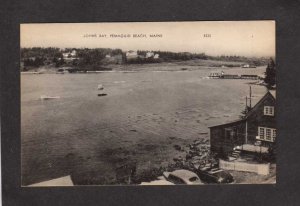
(46, 97)
(100, 87)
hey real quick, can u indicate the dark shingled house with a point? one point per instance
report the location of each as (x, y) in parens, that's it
(258, 126)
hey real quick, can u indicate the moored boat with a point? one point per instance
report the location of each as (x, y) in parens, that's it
(46, 97)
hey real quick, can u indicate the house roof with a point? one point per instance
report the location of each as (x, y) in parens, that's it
(269, 93)
(229, 123)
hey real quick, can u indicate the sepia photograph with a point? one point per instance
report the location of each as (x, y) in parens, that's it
(148, 103)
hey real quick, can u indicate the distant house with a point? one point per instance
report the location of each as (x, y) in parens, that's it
(156, 56)
(71, 54)
(258, 126)
(66, 55)
(131, 54)
(149, 54)
(116, 59)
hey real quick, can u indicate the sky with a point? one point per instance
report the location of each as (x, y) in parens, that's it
(243, 38)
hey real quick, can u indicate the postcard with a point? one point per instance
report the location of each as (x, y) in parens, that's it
(148, 103)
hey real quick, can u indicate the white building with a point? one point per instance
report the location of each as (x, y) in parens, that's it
(70, 54)
(131, 54)
(149, 54)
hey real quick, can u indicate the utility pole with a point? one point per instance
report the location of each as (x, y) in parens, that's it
(250, 98)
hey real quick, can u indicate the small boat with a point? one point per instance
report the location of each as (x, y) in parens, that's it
(100, 87)
(101, 95)
(46, 97)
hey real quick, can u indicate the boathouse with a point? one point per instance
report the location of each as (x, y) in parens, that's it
(258, 127)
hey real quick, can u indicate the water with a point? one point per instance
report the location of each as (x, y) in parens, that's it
(86, 134)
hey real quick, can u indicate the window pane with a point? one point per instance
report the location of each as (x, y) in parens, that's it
(193, 179)
(268, 134)
(175, 179)
(261, 133)
(274, 134)
(271, 110)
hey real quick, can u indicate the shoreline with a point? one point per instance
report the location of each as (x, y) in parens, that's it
(190, 65)
(134, 70)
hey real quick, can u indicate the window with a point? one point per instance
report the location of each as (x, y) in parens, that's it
(175, 179)
(269, 110)
(266, 134)
(261, 132)
(193, 179)
(274, 135)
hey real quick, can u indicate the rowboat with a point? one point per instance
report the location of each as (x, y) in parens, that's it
(46, 97)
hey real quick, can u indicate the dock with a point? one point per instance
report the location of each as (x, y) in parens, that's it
(233, 76)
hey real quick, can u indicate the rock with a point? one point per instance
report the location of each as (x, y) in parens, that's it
(197, 142)
(177, 147)
(196, 162)
(178, 159)
(203, 156)
(175, 159)
(188, 156)
(196, 166)
(206, 141)
(196, 158)
(196, 149)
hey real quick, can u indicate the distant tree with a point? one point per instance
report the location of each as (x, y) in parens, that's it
(270, 78)
(75, 62)
(116, 51)
(34, 62)
(245, 112)
(59, 61)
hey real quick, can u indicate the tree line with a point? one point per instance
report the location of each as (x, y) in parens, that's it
(39, 56)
